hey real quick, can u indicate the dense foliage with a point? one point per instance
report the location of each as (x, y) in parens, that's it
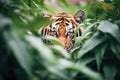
(24, 56)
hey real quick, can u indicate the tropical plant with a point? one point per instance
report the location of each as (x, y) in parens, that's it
(101, 41)
(24, 56)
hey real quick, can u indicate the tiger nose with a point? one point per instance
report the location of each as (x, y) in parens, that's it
(67, 47)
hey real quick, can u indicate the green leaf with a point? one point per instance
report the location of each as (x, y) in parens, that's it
(43, 50)
(85, 35)
(85, 70)
(16, 44)
(5, 24)
(110, 72)
(89, 28)
(110, 28)
(20, 50)
(66, 64)
(86, 59)
(49, 9)
(60, 51)
(33, 25)
(81, 39)
(54, 40)
(64, 2)
(38, 23)
(59, 69)
(40, 2)
(49, 60)
(115, 47)
(99, 53)
(76, 30)
(90, 44)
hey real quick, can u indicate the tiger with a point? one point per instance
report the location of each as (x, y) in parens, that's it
(63, 27)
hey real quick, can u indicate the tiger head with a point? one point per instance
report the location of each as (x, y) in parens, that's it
(63, 27)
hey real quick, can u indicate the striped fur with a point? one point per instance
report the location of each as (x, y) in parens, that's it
(63, 27)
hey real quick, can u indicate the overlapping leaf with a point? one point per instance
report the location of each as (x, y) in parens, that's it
(90, 44)
(110, 28)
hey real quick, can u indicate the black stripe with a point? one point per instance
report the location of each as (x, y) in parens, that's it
(67, 20)
(79, 32)
(62, 19)
(45, 31)
(58, 19)
(42, 31)
(50, 26)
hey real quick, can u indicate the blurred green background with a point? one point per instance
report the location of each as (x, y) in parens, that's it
(24, 56)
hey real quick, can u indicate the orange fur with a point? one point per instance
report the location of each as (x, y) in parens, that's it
(63, 22)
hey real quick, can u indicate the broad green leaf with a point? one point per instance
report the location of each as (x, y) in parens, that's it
(20, 50)
(86, 59)
(115, 47)
(74, 51)
(110, 28)
(90, 44)
(38, 23)
(4, 23)
(64, 2)
(60, 51)
(78, 41)
(85, 70)
(81, 39)
(17, 45)
(60, 66)
(57, 72)
(110, 71)
(79, 68)
(99, 54)
(54, 40)
(32, 25)
(89, 28)
(49, 59)
(59, 69)
(43, 50)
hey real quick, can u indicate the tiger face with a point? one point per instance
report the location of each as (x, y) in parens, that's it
(63, 27)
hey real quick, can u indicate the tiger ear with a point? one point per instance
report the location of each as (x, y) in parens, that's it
(47, 15)
(79, 16)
